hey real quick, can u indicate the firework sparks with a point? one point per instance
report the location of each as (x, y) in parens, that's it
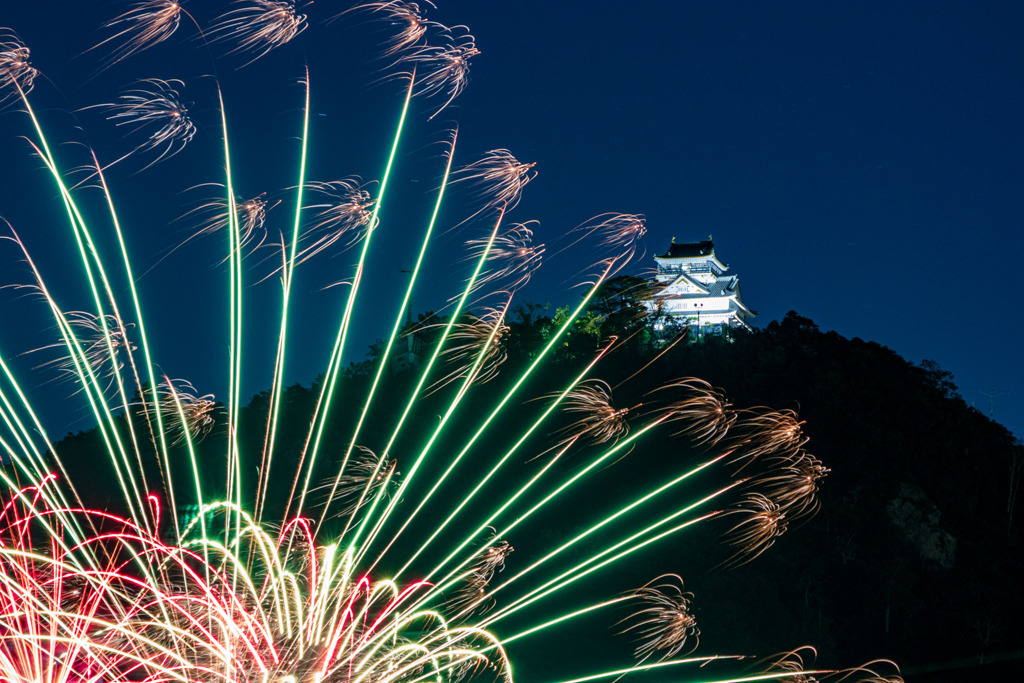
(794, 486)
(153, 109)
(472, 597)
(600, 421)
(214, 216)
(197, 615)
(209, 592)
(776, 435)
(512, 257)
(406, 16)
(101, 346)
(16, 72)
(443, 69)
(338, 625)
(257, 27)
(64, 604)
(142, 26)
(477, 348)
(791, 663)
(792, 667)
(616, 234)
(704, 412)
(340, 217)
(761, 522)
(496, 179)
(663, 623)
(186, 415)
(366, 474)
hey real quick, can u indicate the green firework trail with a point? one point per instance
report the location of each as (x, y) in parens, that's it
(223, 547)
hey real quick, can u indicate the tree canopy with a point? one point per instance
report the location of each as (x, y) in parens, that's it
(916, 552)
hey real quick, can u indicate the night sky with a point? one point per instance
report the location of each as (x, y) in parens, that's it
(859, 163)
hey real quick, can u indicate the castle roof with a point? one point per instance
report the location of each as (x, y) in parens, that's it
(723, 286)
(689, 249)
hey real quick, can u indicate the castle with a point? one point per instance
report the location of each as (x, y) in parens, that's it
(691, 284)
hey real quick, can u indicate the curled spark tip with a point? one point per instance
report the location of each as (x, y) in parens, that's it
(792, 662)
(616, 234)
(214, 216)
(339, 217)
(406, 16)
(471, 596)
(794, 485)
(775, 435)
(498, 176)
(616, 226)
(186, 415)
(358, 485)
(495, 182)
(703, 410)
(477, 348)
(796, 665)
(153, 110)
(663, 622)
(511, 256)
(257, 26)
(761, 521)
(143, 25)
(17, 75)
(93, 348)
(599, 421)
(442, 69)
(869, 673)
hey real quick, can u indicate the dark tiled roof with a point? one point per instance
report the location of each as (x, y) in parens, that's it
(689, 249)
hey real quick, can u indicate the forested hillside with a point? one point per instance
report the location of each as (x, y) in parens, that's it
(915, 553)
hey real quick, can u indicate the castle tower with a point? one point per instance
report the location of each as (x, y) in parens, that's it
(691, 284)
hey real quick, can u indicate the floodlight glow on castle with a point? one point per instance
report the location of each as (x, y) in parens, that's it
(691, 284)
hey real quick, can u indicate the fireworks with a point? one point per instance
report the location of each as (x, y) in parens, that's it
(762, 520)
(144, 25)
(313, 559)
(100, 342)
(185, 414)
(599, 420)
(664, 623)
(257, 27)
(704, 413)
(16, 72)
(790, 667)
(407, 19)
(339, 218)
(444, 69)
(615, 234)
(498, 179)
(512, 257)
(153, 109)
(359, 483)
(214, 216)
(477, 348)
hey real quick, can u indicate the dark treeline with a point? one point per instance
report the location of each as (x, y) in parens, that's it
(915, 554)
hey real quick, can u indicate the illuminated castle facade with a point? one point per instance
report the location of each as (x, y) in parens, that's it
(691, 284)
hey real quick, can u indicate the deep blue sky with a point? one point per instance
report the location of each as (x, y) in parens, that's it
(858, 162)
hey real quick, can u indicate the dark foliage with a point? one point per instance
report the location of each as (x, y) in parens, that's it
(915, 554)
